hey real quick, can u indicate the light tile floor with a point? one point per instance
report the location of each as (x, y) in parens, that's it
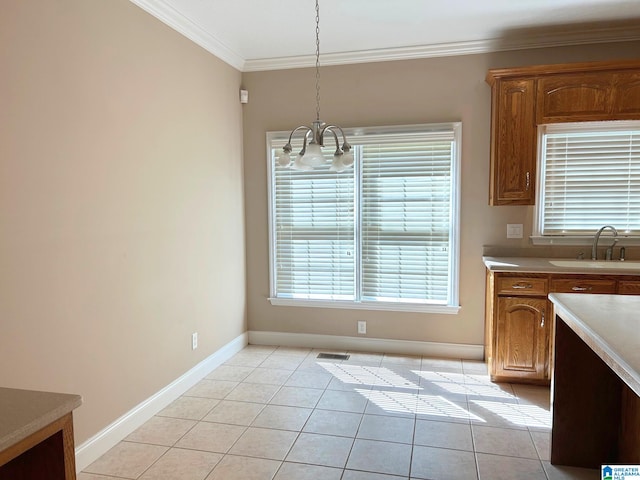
(277, 413)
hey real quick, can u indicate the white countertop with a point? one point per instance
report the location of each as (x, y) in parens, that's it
(609, 325)
(561, 265)
(24, 412)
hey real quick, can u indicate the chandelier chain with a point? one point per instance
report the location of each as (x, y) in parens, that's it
(311, 155)
(317, 61)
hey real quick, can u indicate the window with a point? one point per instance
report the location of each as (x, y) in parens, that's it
(382, 235)
(589, 177)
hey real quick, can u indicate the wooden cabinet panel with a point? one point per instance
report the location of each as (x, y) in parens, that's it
(626, 96)
(578, 285)
(629, 287)
(629, 442)
(48, 453)
(588, 97)
(572, 98)
(522, 344)
(513, 155)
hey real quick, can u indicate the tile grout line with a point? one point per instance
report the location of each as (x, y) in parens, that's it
(249, 426)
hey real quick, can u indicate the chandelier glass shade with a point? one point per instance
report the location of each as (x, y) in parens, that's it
(311, 155)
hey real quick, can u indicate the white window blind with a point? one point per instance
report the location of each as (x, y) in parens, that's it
(384, 232)
(590, 178)
(406, 220)
(314, 234)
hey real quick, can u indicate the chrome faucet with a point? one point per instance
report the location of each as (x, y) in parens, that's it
(594, 247)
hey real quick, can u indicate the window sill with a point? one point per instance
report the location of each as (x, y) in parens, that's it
(386, 306)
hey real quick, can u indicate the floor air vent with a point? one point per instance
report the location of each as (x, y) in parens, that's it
(333, 356)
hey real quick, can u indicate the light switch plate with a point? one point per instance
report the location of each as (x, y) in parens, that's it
(514, 230)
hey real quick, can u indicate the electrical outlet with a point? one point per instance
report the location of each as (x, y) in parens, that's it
(362, 327)
(194, 340)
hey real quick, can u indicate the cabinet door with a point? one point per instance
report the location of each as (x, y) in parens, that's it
(574, 97)
(522, 338)
(626, 96)
(513, 143)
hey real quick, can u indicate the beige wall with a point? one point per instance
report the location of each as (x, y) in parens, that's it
(404, 92)
(121, 204)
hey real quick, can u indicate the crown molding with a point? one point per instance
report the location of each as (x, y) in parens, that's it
(530, 41)
(541, 38)
(194, 32)
(367, 56)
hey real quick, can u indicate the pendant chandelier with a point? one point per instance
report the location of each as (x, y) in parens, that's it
(311, 155)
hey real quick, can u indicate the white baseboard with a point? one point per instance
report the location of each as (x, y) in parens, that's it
(335, 342)
(96, 446)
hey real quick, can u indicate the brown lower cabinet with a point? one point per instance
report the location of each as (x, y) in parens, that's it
(519, 319)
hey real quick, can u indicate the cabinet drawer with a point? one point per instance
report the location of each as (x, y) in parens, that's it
(521, 286)
(576, 285)
(629, 287)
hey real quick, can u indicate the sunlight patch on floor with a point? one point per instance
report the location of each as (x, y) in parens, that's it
(398, 395)
(521, 415)
(439, 406)
(410, 403)
(362, 375)
(475, 390)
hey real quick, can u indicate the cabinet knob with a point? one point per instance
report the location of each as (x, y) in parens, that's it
(520, 286)
(528, 178)
(542, 320)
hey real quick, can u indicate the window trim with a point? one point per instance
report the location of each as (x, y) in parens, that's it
(454, 256)
(570, 240)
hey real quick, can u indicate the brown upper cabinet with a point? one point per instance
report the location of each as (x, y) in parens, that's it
(523, 98)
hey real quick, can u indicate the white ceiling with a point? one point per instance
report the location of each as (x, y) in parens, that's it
(273, 34)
